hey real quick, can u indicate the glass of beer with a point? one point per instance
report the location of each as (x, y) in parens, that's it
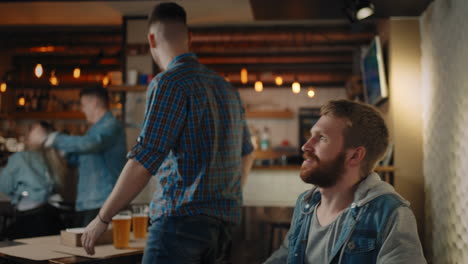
(121, 228)
(140, 220)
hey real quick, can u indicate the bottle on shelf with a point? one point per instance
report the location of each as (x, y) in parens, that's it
(265, 142)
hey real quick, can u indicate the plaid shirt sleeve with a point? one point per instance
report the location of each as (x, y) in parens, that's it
(164, 121)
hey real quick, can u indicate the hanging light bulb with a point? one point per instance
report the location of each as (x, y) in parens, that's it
(105, 81)
(258, 86)
(21, 100)
(311, 92)
(53, 79)
(76, 73)
(3, 87)
(296, 87)
(244, 75)
(38, 71)
(279, 80)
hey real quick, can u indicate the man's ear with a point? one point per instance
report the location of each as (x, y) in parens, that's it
(189, 39)
(356, 155)
(152, 40)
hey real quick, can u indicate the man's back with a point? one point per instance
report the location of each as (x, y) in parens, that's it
(196, 117)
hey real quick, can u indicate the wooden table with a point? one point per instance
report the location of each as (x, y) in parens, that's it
(19, 251)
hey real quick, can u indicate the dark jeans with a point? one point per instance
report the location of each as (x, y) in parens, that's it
(41, 221)
(188, 239)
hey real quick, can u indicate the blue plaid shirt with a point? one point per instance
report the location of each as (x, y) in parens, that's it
(193, 137)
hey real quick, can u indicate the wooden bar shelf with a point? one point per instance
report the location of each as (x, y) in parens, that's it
(285, 114)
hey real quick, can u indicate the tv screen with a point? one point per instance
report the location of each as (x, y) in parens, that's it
(373, 73)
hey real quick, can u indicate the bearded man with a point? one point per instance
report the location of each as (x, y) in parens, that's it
(350, 215)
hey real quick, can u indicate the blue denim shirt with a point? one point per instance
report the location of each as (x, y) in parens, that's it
(371, 233)
(100, 157)
(26, 175)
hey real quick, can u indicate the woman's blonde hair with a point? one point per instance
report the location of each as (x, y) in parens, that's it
(56, 164)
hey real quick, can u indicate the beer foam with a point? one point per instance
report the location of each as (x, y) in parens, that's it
(140, 215)
(122, 217)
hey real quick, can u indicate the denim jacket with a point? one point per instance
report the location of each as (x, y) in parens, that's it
(379, 227)
(100, 155)
(26, 176)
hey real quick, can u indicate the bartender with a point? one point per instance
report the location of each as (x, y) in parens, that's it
(99, 154)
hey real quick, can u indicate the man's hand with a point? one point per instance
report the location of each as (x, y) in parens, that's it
(92, 232)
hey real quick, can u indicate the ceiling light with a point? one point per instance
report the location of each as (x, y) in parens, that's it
(53, 79)
(76, 73)
(258, 86)
(3, 87)
(38, 71)
(105, 81)
(311, 93)
(21, 100)
(278, 80)
(364, 9)
(296, 87)
(244, 75)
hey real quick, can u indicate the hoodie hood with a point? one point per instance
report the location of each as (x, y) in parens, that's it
(372, 187)
(369, 189)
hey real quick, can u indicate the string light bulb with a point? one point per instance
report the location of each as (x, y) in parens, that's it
(279, 80)
(105, 81)
(53, 79)
(311, 93)
(38, 70)
(244, 75)
(21, 100)
(258, 86)
(296, 87)
(3, 87)
(76, 73)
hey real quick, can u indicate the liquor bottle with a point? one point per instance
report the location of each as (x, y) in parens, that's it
(265, 143)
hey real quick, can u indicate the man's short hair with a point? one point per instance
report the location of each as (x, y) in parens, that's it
(168, 12)
(98, 92)
(365, 127)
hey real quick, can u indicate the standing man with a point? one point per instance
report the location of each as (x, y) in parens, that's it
(99, 154)
(350, 215)
(196, 142)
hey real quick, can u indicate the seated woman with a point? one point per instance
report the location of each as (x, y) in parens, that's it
(30, 178)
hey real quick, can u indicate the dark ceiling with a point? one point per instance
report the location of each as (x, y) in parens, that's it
(330, 9)
(306, 47)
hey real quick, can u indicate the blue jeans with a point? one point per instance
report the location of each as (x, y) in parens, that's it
(188, 239)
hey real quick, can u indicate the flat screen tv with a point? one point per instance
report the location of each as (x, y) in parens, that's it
(373, 73)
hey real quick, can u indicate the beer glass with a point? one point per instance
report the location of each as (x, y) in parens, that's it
(140, 220)
(121, 228)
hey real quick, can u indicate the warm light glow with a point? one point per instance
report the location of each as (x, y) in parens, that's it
(365, 11)
(296, 87)
(53, 79)
(279, 80)
(3, 87)
(21, 101)
(38, 71)
(258, 86)
(76, 73)
(105, 81)
(227, 78)
(244, 76)
(311, 93)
